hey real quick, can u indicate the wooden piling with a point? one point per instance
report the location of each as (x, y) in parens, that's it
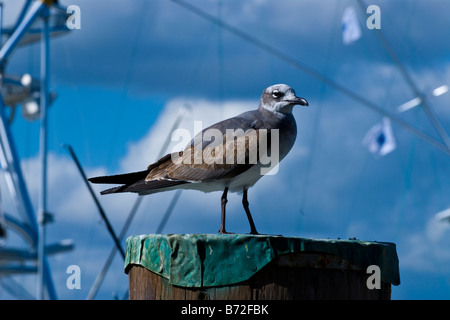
(247, 267)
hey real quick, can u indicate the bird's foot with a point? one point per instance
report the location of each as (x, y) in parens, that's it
(225, 232)
(256, 233)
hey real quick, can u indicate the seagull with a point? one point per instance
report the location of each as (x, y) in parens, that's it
(215, 171)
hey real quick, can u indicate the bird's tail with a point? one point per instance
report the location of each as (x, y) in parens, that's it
(135, 182)
(126, 178)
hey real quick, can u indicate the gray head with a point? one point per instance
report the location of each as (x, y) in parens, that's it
(280, 98)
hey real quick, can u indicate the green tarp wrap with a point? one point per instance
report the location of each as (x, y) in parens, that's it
(205, 260)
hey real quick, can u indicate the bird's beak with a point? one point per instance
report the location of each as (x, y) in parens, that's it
(299, 101)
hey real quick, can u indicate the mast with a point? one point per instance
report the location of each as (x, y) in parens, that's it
(29, 227)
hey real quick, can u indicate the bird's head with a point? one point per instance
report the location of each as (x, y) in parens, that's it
(280, 98)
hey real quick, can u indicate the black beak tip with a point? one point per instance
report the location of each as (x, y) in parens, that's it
(298, 101)
(303, 102)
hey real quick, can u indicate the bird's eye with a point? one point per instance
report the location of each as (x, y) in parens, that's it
(276, 94)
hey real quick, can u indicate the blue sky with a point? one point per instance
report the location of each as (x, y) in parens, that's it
(122, 78)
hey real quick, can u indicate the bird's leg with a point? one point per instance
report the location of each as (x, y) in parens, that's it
(222, 218)
(247, 211)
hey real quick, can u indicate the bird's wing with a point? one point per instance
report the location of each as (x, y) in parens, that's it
(219, 156)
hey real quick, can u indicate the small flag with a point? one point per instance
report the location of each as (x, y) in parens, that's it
(350, 26)
(380, 138)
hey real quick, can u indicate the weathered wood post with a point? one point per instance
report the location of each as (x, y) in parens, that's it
(261, 267)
